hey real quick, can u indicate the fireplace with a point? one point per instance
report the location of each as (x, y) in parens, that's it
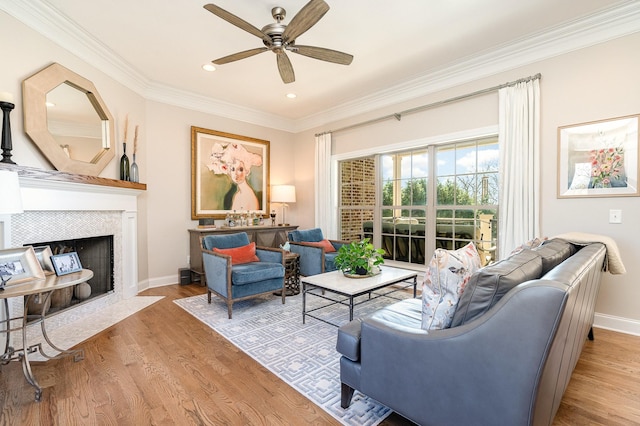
(96, 254)
(62, 211)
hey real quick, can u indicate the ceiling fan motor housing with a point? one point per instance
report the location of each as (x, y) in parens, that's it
(274, 31)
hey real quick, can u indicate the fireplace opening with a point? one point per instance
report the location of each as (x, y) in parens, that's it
(96, 254)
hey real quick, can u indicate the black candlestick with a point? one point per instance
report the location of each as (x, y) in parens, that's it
(7, 146)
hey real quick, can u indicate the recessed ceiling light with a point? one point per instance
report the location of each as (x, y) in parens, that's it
(291, 95)
(49, 104)
(208, 67)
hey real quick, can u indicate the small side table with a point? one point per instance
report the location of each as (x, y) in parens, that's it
(291, 274)
(27, 290)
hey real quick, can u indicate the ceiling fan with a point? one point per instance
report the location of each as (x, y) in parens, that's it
(280, 38)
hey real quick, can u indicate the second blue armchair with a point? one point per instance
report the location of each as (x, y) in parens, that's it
(311, 245)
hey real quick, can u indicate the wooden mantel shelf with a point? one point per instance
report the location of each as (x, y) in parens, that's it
(57, 176)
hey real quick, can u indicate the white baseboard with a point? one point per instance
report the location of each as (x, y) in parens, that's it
(162, 281)
(622, 325)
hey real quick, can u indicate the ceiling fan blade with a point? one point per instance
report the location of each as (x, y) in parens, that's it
(239, 55)
(305, 19)
(285, 67)
(238, 22)
(323, 54)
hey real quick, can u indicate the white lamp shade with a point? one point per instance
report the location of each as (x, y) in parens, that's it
(10, 195)
(283, 194)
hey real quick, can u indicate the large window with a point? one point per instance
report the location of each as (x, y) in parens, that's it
(389, 199)
(467, 196)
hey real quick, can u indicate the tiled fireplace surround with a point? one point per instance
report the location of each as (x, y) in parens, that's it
(56, 210)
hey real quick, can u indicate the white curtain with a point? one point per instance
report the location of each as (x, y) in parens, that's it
(324, 202)
(519, 138)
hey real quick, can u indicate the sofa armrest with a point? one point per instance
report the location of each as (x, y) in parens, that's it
(348, 343)
(217, 268)
(311, 258)
(483, 372)
(270, 254)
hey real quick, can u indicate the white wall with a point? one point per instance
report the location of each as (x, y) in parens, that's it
(594, 83)
(25, 52)
(169, 186)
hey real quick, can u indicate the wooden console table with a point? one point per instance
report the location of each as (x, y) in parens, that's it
(266, 236)
(29, 289)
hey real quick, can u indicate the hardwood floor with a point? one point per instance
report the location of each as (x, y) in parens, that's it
(163, 366)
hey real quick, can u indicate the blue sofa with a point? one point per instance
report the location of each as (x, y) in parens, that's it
(504, 361)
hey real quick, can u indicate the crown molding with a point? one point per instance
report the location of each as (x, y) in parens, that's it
(615, 22)
(184, 99)
(48, 21)
(597, 28)
(51, 23)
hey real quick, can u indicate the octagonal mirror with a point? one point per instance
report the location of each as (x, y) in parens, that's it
(66, 118)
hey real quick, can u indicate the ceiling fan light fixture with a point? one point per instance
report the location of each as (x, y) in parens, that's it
(208, 67)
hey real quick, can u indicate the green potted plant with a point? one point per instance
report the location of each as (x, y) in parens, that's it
(359, 258)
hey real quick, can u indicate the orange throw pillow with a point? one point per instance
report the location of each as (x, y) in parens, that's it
(243, 254)
(325, 244)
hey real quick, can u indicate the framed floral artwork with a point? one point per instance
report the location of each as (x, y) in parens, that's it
(599, 159)
(228, 173)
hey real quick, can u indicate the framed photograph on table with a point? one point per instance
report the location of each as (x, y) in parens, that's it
(43, 254)
(599, 159)
(66, 263)
(228, 173)
(18, 265)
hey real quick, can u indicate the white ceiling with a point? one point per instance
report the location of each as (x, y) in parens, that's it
(162, 44)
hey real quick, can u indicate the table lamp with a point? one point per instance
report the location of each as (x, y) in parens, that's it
(283, 194)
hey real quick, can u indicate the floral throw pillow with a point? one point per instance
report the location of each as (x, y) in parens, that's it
(445, 280)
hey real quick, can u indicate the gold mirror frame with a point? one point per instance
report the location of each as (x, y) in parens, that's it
(34, 93)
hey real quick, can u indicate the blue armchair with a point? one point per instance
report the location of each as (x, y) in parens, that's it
(313, 258)
(234, 282)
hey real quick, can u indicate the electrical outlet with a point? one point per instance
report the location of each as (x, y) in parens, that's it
(615, 216)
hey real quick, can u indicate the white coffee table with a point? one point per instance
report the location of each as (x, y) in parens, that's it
(335, 282)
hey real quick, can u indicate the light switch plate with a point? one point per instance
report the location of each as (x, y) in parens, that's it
(615, 216)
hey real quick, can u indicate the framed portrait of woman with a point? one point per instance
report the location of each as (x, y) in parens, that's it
(228, 173)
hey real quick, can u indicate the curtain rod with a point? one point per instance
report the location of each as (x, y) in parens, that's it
(398, 115)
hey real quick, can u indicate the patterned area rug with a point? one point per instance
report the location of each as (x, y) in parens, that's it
(303, 355)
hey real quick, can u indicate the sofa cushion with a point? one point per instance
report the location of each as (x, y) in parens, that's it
(444, 282)
(247, 273)
(239, 255)
(531, 244)
(405, 315)
(554, 252)
(487, 286)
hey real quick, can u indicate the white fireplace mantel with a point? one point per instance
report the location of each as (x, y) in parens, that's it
(43, 195)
